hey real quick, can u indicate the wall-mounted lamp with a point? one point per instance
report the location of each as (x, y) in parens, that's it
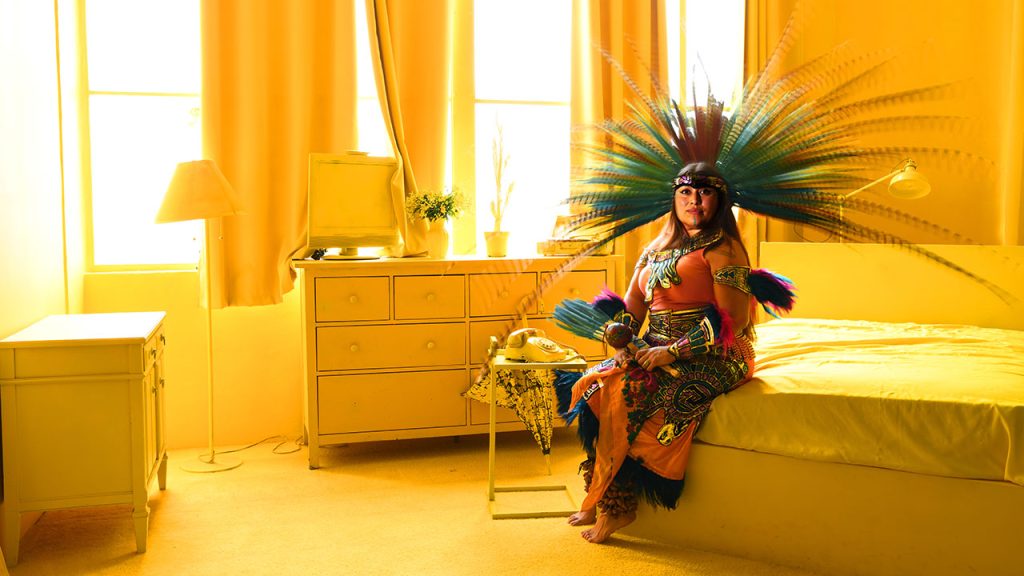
(906, 183)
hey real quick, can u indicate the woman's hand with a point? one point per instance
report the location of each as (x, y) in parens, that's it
(622, 356)
(653, 357)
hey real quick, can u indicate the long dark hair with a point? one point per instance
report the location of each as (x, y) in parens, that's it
(673, 233)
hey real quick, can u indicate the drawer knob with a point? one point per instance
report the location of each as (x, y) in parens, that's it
(152, 353)
(163, 339)
(354, 348)
(353, 299)
(574, 291)
(431, 345)
(163, 383)
(504, 294)
(431, 297)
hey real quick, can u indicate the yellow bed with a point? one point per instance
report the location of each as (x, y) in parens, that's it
(882, 433)
(942, 399)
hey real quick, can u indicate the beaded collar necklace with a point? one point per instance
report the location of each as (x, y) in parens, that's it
(663, 262)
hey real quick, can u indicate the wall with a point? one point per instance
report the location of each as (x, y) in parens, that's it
(972, 45)
(258, 374)
(32, 260)
(258, 368)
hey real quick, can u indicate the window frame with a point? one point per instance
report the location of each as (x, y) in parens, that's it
(83, 94)
(466, 230)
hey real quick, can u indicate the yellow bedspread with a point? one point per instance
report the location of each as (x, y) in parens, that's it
(934, 399)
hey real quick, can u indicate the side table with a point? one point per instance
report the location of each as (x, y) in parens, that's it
(501, 363)
(82, 410)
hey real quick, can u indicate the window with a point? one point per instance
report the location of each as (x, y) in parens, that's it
(371, 130)
(142, 83)
(713, 53)
(520, 81)
(143, 113)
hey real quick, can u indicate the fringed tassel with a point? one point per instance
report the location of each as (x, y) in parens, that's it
(654, 489)
(587, 422)
(726, 336)
(775, 293)
(564, 381)
(608, 302)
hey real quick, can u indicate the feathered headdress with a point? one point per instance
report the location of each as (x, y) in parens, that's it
(789, 150)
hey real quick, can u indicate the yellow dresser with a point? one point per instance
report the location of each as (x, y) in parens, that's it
(82, 409)
(391, 344)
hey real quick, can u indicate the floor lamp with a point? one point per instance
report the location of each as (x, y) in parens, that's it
(199, 191)
(906, 183)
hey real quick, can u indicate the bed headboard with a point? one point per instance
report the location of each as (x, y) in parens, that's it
(889, 284)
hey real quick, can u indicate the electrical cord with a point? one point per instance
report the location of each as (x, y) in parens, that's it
(275, 450)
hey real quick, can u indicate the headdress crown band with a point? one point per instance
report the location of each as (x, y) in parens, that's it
(700, 181)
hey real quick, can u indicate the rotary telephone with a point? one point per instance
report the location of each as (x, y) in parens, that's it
(532, 345)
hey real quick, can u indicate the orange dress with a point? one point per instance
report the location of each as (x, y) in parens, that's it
(651, 417)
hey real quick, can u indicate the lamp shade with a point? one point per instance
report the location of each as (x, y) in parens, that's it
(909, 184)
(198, 190)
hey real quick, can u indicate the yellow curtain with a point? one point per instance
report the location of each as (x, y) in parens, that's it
(633, 33)
(763, 25)
(1011, 178)
(277, 85)
(411, 56)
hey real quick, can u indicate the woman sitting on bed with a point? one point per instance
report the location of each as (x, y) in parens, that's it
(691, 283)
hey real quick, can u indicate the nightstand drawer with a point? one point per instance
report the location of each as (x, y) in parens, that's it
(352, 298)
(499, 294)
(582, 285)
(480, 333)
(409, 400)
(154, 347)
(399, 346)
(48, 362)
(418, 297)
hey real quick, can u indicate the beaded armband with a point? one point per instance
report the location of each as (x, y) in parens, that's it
(735, 276)
(698, 340)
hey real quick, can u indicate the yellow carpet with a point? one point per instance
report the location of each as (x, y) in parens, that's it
(415, 507)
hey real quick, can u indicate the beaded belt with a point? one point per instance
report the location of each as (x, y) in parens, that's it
(666, 326)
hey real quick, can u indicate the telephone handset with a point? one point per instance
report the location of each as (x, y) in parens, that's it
(532, 345)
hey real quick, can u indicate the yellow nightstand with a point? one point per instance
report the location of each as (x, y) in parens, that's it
(82, 409)
(501, 363)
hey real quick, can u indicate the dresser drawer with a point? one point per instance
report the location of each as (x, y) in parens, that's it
(391, 401)
(480, 333)
(418, 297)
(582, 285)
(499, 294)
(352, 298)
(398, 346)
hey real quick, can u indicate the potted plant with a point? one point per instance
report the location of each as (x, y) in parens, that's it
(436, 208)
(497, 239)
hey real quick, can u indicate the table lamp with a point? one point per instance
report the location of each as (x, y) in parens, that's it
(199, 191)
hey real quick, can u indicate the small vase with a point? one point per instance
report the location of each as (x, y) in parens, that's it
(437, 239)
(497, 244)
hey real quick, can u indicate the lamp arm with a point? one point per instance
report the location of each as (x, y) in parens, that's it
(866, 186)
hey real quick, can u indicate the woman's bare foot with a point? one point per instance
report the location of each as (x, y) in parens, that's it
(606, 526)
(583, 517)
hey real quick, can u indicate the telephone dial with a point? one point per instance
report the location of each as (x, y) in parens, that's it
(532, 345)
